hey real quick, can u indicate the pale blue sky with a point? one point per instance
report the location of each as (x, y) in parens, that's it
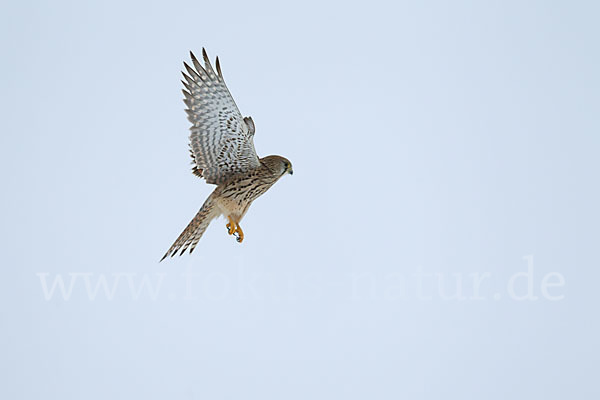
(432, 143)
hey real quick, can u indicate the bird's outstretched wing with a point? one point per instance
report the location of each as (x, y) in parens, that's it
(221, 140)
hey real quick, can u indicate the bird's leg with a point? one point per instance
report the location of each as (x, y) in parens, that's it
(231, 226)
(240, 233)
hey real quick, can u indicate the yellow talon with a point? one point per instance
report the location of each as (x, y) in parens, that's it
(231, 226)
(240, 233)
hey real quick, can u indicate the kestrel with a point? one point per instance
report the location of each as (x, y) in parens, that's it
(222, 149)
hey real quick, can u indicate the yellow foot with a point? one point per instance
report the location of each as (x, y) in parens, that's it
(230, 226)
(234, 229)
(240, 234)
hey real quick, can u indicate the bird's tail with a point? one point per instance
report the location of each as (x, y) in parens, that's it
(193, 232)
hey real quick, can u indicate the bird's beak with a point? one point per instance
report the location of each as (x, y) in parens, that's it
(291, 171)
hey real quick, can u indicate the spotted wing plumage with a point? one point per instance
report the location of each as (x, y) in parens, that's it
(221, 140)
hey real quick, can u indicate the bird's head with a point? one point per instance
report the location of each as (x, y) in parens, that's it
(279, 165)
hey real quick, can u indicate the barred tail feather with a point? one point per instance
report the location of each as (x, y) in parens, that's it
(193, 232)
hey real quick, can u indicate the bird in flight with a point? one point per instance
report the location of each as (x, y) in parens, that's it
(222, 149)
